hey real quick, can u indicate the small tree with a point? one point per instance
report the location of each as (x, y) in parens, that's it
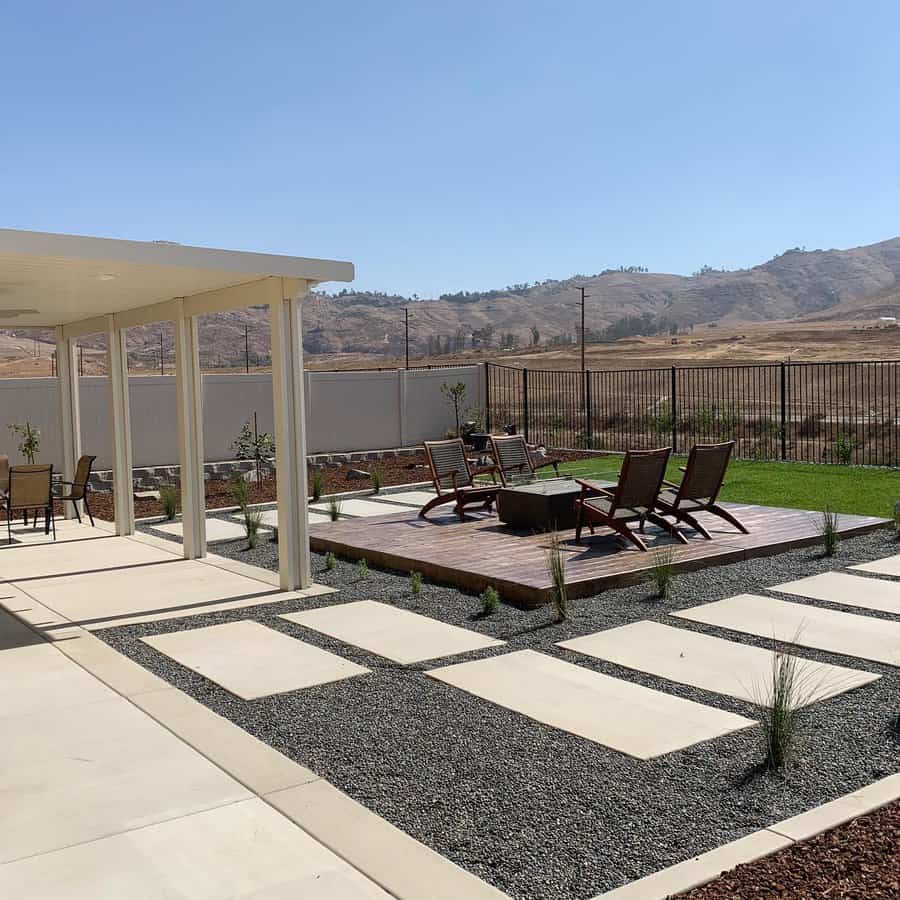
(251, 444)
(456, 397)
(29, 440)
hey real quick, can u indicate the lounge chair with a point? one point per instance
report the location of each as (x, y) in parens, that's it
(699, 488)
(30, 488)
(454, 481)
(80, 487)
(512, 456)
(632, 500)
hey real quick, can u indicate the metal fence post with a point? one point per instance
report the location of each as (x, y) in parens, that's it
(673, 409)
(588, 411)
(487, 397)
(783, 411)
(525, 403)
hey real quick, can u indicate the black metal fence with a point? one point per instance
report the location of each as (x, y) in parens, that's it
(840, 412)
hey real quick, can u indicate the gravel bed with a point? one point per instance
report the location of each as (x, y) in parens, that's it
(535, 811)
(854, 861)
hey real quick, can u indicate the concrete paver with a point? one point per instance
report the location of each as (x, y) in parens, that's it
(397, 634)
(806, 626)
(251, 660)
(627, 717)
(848, 590)
(707, 662)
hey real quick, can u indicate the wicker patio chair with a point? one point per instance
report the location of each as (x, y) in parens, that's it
(632, 500)
(30, 488)
(704, 475)
(454, 481)
(512, 456)
(80, 488)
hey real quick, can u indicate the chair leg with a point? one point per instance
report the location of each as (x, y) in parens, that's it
(53, 522)
(431, 504)
(668, 526)
(87, 509)
(628, 534)
(717, 510)
(77, 514)
(689, 520)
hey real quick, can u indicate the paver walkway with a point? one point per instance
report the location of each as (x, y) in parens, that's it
(847, 590)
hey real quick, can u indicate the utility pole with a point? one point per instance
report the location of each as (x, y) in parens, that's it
(583, 397)
(162, 365)
(406, 320)
(246, 349)
(81, 360)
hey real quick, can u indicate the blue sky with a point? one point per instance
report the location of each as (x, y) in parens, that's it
(444, 147)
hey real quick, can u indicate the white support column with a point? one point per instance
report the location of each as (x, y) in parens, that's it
(290, 436)
(189, 391)
(69, 410)
(123, 487)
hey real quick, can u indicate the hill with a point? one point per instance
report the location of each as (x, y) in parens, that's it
(827, 285)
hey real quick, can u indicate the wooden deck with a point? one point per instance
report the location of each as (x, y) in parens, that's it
(481, 551)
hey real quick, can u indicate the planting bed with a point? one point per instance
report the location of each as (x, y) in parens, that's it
(537, 811)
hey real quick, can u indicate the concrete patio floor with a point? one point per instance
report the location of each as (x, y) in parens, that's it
(119, 785)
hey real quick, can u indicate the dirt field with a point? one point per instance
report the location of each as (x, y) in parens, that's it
(769, 342)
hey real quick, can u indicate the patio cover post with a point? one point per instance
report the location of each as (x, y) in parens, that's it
(290, 432)
(69, 410)
(188, 389)
(123, 487)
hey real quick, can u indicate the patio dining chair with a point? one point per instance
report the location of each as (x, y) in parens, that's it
(703, 477)
(512, 457)
(632, 500)
(454, 480)
(30, 488)
(80, 487)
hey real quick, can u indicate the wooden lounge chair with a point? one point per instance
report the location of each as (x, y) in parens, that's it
(454, 481)
(512, 456)
(699, 488)
(30, 488)
(632, 500)
(80, 487)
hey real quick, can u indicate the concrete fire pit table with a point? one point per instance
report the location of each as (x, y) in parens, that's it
(542, 504)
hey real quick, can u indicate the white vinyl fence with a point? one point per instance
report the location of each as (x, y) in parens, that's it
(344, 411)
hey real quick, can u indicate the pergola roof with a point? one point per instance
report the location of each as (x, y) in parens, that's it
(56, 279)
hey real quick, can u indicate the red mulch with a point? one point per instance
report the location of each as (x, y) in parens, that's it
(395, 471)
(856, 861)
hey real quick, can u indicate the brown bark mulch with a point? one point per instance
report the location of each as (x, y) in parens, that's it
(856, 861)
(395, 471)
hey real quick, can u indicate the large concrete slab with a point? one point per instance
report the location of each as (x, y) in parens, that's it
(216, 530)
(170, 589)
(627, 717)
(806, 626)
(848, 590)
(355, 507)
(890, 565)
(251, 660)
(74, 774)
(709, 663)
(18, 563)
(397, 634)
(270, 518)
(245, 850)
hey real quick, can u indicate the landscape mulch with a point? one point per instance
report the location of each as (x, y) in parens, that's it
(854, 861)
(394, 471)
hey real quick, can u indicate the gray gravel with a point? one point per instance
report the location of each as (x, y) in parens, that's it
(535, 811)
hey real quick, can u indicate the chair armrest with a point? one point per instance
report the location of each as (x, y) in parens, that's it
(590, 489)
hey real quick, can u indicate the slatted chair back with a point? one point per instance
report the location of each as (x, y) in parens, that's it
(511, 454)
(446, 459)
(705, 472)
(30, 486)
(4, 473)
(641, 478)
(82, 476)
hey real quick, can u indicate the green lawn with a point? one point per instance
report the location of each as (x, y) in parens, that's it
(846, 489)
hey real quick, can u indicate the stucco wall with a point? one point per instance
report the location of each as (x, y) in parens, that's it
(344, 410)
